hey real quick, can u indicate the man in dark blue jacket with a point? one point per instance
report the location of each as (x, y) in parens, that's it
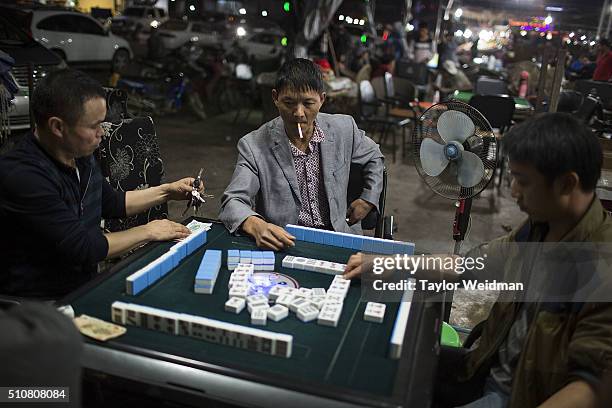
(53, 195)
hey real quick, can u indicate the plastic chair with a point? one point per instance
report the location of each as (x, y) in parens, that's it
(449, 336)
(490, 86)
(499, 111)
(569, 101)
(375, 220)
(369, 107)
(402, 105)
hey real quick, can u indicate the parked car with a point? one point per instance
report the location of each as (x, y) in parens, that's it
(79, 38)
(260, 45)
(138, 19)
(175, 33)
(25, 51)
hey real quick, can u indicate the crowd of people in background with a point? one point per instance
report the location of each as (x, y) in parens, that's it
(450, 71)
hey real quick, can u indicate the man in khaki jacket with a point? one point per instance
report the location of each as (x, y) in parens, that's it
(550, 345)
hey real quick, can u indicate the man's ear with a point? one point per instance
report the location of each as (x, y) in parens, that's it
(275, 97)
(568, 182)
(322, 95)
(56, 126)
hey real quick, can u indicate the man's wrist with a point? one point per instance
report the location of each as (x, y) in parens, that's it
(164, 191)
(145, 230)
(250, 223)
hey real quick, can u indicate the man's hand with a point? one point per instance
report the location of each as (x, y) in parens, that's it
(267, 235)
(358, 210)
(181, 189)
(165, 230)
(355, 266)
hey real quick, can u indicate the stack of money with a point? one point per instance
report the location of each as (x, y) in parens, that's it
(98, 329)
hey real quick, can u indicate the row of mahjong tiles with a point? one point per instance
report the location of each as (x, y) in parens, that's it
(343, 240)
(216, 331)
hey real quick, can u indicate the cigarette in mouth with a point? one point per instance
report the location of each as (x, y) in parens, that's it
(300, 130)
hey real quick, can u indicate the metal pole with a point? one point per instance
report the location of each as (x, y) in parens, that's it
(604, 10)
(408, 15)
(559, 71)
(609, 22)
(542, 82)
(441, 10)
(333, 52)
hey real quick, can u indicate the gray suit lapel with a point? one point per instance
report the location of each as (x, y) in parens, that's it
(282, 154)
(329, 158)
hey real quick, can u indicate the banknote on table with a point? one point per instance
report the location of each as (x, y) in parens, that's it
(196, 225)
(98, 329)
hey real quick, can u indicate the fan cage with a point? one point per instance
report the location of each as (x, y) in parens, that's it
(482, 143)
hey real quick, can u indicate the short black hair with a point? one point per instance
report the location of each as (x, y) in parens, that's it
(301, 75)
(63, 93)
(557, 143)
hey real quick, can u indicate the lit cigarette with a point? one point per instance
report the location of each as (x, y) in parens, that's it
(300, 130)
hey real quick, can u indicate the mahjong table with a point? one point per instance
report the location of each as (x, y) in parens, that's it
(343, 366)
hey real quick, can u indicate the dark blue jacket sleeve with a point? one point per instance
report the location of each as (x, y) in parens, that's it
(33, 195)
(113, 202)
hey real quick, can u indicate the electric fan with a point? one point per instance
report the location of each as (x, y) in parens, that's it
(456, 155)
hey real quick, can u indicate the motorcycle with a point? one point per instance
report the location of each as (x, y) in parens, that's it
(167, 85)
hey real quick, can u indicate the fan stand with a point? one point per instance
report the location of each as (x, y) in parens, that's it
(461, 222)
(460, 226)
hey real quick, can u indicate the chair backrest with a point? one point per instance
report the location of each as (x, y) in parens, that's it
(590, 108)
(389, 87)
(378, 84)
(367, 99)
(116, 105)
(418, 74)
(569, 101)
(404, 89)
(602, 89)
(374, 220)
(130, 159)
(497, 109)
(490, 86)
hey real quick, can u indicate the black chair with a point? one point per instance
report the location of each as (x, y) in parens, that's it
(402, 104)
(370, 108)
(490, 86)
(375, 220)
(569, 101)
(602, 89)
(590, 109)
(116, 105)
(499, 111)
(418, 74)
(130, 159)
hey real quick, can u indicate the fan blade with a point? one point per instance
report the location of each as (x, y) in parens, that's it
(455, 126)
(432, 156)
(470, 170)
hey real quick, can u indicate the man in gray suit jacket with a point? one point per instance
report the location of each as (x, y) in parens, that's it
(295, 168)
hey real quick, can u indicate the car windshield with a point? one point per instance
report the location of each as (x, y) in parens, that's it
(174, 25)
(12, 35)
(134, 12)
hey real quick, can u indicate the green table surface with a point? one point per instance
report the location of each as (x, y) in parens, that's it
(353, 355)
(519, 103)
